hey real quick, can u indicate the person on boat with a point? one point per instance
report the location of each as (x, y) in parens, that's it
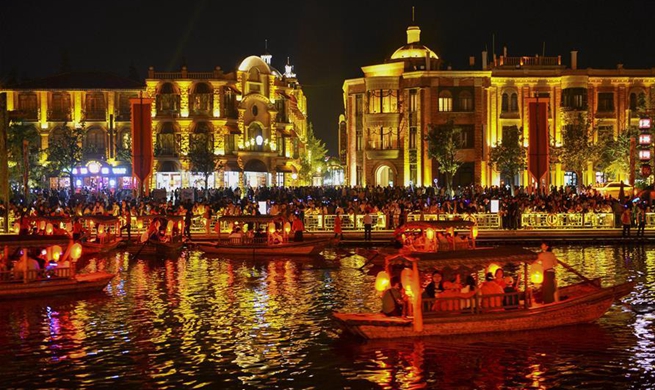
(499, 276)
(78, 229)
(24, 225)
(419, 242)
(236, 235)
(188, 217)
(490, 287)
(297, 228)
(31, 265)
(393, 300)
(275, 238)
(127, 218)
(338, 229)
(435, 286)
(548, 262)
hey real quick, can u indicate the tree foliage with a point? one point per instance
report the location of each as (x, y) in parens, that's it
(65, 151)
(202, 158)
(509, 157)
(17, 134)
(577, 147)
(314, 159)
(614, 154)
(443, 143)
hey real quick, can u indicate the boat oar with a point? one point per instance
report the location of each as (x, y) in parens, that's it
(574, 271)
(134, 256)
(368, 261)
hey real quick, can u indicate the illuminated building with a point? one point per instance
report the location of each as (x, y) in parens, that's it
(388, 112)
(96, 101)
(254, 118)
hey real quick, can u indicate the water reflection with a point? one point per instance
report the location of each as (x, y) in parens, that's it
(231, 323)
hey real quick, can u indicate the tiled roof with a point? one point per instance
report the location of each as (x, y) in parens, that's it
(81, 81)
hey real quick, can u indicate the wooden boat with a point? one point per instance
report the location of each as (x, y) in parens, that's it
(167, 245)
(271, 239)
(104, 234)
(54, 280)
(579, 303)
(423, 238)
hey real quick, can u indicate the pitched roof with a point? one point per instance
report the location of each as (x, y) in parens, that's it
(81, 81)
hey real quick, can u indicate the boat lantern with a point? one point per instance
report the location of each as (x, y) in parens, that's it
(492, 268)
(474, 231)
(49, 229)
(406, 279)
(287, 227)
(101, 229)
(139, 224)
(41, 225)
(76, 251)
(56, 252)
(91, 224)
(169, 227)
(271, 227)
(382, 281)
(536, 273)
(429, 234)
(179, 225)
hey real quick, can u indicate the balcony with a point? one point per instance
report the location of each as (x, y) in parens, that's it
(382, 154)
(29, 115)
(124, 116)
(59, 115)
(94, 115)
(389, 119)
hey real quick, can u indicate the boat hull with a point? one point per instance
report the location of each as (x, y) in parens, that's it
(80, 284)
(305, 248)
(574, 310)
(93, 248)
(157, 249)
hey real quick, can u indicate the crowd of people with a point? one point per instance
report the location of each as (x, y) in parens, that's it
(393, 202)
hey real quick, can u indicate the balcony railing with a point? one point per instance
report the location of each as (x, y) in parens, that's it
(94, 115)
(59, 115)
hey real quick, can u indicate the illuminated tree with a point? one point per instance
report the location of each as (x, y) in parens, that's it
(578, 148)
(202, 158)
(23, 138)
(313, 161)
(443, 143)
(65, 151)
(614, 154)
(509, 156)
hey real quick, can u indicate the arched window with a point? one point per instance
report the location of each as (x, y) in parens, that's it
(633, 102)
(125, 139)
(168, 100)
(254, 75)
(445, 101)
(504, 105)
(94, 142)
(465, 101)
(55, 136)
(166, 142)
(202, 134)
(201, 99)
(514, 102)
(255, 140)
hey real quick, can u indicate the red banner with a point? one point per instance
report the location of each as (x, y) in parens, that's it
(538, 140)
(141, 138)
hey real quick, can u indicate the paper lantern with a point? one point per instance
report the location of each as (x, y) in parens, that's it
(382, 281)
(41, 225)
(49, 229)
(169, 227)
(56, 252)
(271, 227)
(101, 229)
(139, 224)
(493, 268)
(287, 227)
(406, 279)
(536, 273)
(179, 225)
(429, 234)
(76, 251)
(474, 231)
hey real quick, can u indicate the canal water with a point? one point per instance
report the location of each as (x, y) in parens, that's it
(199, 322)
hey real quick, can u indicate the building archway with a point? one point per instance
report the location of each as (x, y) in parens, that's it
(385, 176)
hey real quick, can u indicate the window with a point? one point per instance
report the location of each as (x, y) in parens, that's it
(465, 101)
(28, 106)
(166, 141)
(514, 103)
(255, 140)
(95, 106)
(202, 134)
(229, 104)
(605, 102)
(574, 98)
(445, 101)
(124, 106)
(387, 138)
(125, 139)
(201, 99)
(605, 133)
(466, 137)
(358, 175)
(95, 142)
(570, 179)
(281, 107)
(60, 107)
(504, 105)
(168, 100)
(382, 101)
(413, 100)
(358, 139)
(633, 102)
(229, 143)
(412, 138)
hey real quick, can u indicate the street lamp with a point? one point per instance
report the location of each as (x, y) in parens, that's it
(645, 142)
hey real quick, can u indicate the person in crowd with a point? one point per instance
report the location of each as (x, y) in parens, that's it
(626, 221)
(436, 285)
(368, 225)
(641, 220)
(548, 262)
(499, 277)
(393, 301)
(490, 287)
(297, 227)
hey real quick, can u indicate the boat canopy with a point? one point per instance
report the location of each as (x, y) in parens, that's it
(478, 258)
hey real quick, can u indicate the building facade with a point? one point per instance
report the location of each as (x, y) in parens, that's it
(389, 111)
(254, 119)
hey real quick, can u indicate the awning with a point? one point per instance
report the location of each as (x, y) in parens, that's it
(232, 166)
(284, 168)
(168, 166)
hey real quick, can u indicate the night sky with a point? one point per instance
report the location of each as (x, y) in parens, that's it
(327, 42)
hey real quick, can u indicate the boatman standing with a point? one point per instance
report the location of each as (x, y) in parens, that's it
(548, 262)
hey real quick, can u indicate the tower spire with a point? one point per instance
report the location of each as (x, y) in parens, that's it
(413, 14)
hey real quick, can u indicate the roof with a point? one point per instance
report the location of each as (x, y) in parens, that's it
(472, 258)
(413, 50)
(81, 81)
(254, 62)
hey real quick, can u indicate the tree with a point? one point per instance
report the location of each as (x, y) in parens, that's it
(314, 159)
(443, 143)
(21, 169)
(577, 145)
(202, 158)
(614, 154)
(65, 151)
(509, 157)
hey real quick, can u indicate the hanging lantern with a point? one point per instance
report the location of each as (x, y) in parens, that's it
(271, 227)
(49, 229)
(406, 280)
(76, 251)
(101, 229)
(56, 252)
(287, 227)
(429, 234)
(169, 227)
(382, 281)
(536, 273)
(41, 225)
(179, 225)
(474, 231)
(492, 268)
(139, 224)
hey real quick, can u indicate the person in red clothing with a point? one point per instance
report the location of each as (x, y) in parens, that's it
(338, 229)
(297, 228)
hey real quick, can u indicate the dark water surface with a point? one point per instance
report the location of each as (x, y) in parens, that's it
(201, 322)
